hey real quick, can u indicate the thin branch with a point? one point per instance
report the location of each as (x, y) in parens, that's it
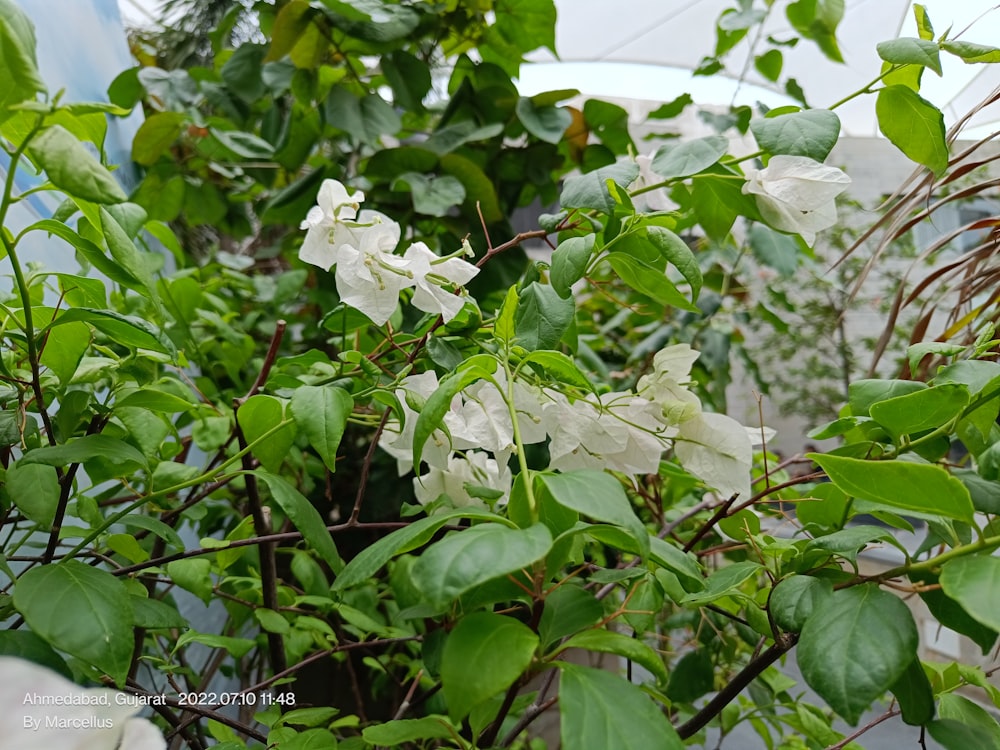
(873, 723)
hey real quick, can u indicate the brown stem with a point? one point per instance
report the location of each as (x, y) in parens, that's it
(873, 723)
(716, 517)
(735, 686)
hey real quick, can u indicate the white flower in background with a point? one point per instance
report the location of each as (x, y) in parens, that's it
(717, 449)
(334, 207)
(431, 275)
(95, 718)
(465, 471)
(796, 194)
(645, 435)
(666, 385)
(370, 276)
(654, 200)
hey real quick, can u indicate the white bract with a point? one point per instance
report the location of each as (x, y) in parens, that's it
(370, 275)
(45, 711)
(468, 478)
(796, 194)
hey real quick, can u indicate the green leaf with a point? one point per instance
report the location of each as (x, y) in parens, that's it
(914, 694)
(971, 52)
(914, 125)
(770, 64)
(304, 515)
(433, 195)
(608, 642)
(924, 28)
(193, 574)
(541, 317)
(34, 488)
(590, 190)
(483, 656)
(600, 710)
(954, 707)
(236, 647)
(812, 133)
(545, 122)
(156, 134)
(861, 394)
(717, 202)
(677, 252)
(365, 120)
(371, 559)
(321, 413)
(242, 72)
(909, 51)
(244, 145)
(26, 645)
(478, 186)
(597, 495)
(951, 614)
(954, 735)
(257, 416)
(126, 254)
(690, 157)
(559, 365)
(847, 543)
(122, 329)
(971, 581)
(724, 582)
(64, 347)
(72, 168)
(81, 610)
(916, 352)
(794, 600)
(466, 559)
(648, 280)
(925, 488)
(19, 76)
(568, 610)
(154, 614)
(921, 410)
(85, 448)
(774, 249)
(857, 643)
(399, 731)
(438, 404)
(692, 677)
(569, 263)
(154, 400)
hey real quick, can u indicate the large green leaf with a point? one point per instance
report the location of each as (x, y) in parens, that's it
(648, 280)
(19, 76)
(321, 413)
(914, 694)
(399, 731)
(861, 394)
(794, 600)
(81, 610)
(910, 51)
(972, 582)
(483, 656)
(431, 194)
(304, 515)
(122, 329)
(970, 52)
(156, 134)
(950, 613)
(72, 168)
(678, 254)
(600, 710)
(371, 559)
(812, 133)
(545, 122)
(921, 410)
(590, 190)
(541, 317)
(126, 254)
(569, 263)
(597, 495)
(466, 559)
(84, 448)
(914, 125)
(925, 488)
(257, 416)
(954, 707)
(610, 642)
(856, 644)
(568, 610)
(690, 157)
(34, 489)
(774, 249)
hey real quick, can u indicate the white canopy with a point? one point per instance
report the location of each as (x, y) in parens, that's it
(646, 49)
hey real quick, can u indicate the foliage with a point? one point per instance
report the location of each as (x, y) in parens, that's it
(576, 484)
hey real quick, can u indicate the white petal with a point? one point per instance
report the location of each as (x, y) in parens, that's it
(716, 449)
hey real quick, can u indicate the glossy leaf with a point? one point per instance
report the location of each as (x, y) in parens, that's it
(971, 581)
(304, 515)
(72, 168)
(35, 490)
(466, 559)
(545, 122)
(609, 642)
(84, 448)
(914, 125)
(905, 485)
(541, 317)
(921, 410)
(321, 413)
(569, 262)
(812, 133)
(599, 710)
(257, 417)
(794, 599)
(648, 280)
(483, 656)
(81, 610)
(856, 644)
(678, 254)
(123, 329)
(690, 157)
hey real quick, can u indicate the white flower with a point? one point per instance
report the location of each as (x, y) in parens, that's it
(397, 440)
(464, 472)
(796, 194)
(369, 276)
(716, 449)
(431, 274)
(654, 200)
(666, 384)
(334, 207)
(95, 719)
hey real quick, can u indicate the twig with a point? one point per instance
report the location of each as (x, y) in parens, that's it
(538, 706)
(719, 514)
(873, 723)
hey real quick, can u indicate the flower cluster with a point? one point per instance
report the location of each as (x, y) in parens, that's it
(45, 711)
(626, 432)
(796, 194)
(369, 273)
